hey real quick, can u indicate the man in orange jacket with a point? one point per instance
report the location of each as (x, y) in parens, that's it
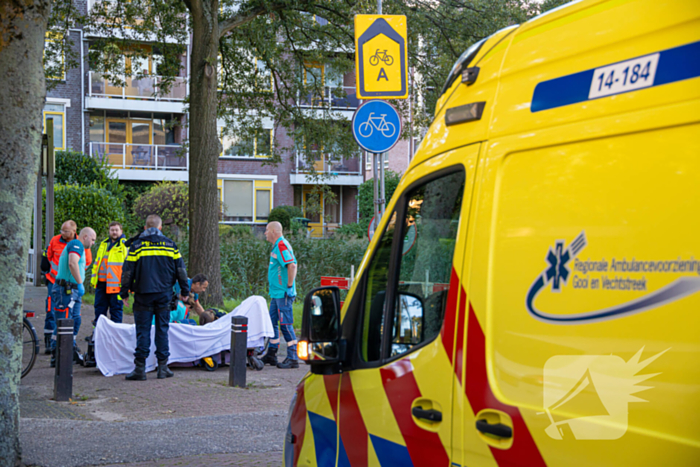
(53, 254)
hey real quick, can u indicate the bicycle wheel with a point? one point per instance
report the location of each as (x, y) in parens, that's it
(366, 130)
(30, 346)
(388, 129)
(389, 60)
(373, 60)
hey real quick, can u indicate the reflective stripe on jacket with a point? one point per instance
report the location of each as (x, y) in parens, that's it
(108, 264)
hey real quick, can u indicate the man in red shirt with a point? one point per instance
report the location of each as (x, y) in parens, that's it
(53, 254)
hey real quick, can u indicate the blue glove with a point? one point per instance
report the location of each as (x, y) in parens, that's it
(290, 292)
(81, 290)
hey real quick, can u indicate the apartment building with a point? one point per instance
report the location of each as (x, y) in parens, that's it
(141, 133)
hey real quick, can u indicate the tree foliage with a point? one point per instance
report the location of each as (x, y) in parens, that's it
(76, 168)
(89, 206)
(168, 200)
(366, 193)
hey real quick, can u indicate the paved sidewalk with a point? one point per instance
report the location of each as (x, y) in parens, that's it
(252, 459)
(193, 419)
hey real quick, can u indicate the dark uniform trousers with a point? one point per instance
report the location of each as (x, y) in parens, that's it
(146, 306)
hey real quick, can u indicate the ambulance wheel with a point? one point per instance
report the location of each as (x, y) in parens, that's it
(209, 364)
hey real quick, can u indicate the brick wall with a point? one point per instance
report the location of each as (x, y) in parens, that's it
(70, 89)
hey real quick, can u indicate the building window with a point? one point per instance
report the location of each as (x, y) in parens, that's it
(263, 76)
(54, 62)
(259, 145)
(246, 200)
(56, 113)
(262, 204)
(368, 161)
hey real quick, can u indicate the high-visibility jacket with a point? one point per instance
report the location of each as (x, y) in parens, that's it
(108, 264)
(53, 254)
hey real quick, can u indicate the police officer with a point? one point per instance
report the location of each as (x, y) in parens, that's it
(152, 267)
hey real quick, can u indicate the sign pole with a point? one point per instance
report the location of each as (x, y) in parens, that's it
(376, 187)
(382, 197)
(379, 7)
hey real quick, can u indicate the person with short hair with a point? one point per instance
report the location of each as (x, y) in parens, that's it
(181, 314)
(152, 267)
(107, 274)
(52, 255)
(68, 290)
(281, 277)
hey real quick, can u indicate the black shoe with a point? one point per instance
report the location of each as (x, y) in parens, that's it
(77, 354)
(163, 370)
(270, 357)
(288, 363)
(53, 359)
(47, 344)
(139, 373)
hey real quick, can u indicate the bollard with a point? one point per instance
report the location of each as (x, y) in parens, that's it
(63, 378)
(239, 351)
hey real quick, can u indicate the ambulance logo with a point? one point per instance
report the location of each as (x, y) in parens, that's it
(587, 396)
(557, 273)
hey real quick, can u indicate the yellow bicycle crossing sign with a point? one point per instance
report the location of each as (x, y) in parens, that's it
(381, 56)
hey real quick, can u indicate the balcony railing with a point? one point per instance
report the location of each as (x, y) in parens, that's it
(143, 88)
(141, 156)
(330, 165)
(340, 97)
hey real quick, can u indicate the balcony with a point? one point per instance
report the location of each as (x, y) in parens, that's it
(336, 171)
(143, 161)
(337, 98)
(137, 94)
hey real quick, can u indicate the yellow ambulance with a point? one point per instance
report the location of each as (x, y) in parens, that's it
(532, 295)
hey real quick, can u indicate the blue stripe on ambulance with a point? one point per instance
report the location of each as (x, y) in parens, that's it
(324, 429)
(389, 453)
(676, 64)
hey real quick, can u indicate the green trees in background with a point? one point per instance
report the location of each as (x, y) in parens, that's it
(89, 206)
(366, 193)
(169, 200)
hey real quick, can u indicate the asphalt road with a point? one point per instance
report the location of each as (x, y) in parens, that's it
(73, 443)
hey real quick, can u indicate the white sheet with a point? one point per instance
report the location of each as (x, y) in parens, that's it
(115, 343)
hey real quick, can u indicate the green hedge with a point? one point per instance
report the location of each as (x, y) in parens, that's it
(245, 260)
(169, 200)
(366, 193)
(88, 206)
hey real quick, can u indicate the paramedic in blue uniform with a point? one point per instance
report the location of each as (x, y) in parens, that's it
(281, 274)
(68, 290)
(152, 267)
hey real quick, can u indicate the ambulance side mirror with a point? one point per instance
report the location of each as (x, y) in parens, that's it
(320, 329)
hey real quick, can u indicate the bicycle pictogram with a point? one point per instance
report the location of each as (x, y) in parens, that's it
(379, 123)
(383, 56)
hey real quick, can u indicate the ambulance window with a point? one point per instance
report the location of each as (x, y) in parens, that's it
(377, 276)
(430, 232)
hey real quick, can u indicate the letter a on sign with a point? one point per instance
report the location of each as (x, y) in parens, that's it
(381, 56)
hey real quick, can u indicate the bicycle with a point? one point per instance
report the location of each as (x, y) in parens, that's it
(30, 344)
(383, 56)
(386, 128)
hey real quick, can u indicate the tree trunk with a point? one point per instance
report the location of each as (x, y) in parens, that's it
(205, 147)
(22, 92)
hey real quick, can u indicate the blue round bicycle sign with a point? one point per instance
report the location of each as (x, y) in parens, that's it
(376, 126)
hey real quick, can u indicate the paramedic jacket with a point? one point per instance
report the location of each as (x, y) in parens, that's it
(153, 265)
